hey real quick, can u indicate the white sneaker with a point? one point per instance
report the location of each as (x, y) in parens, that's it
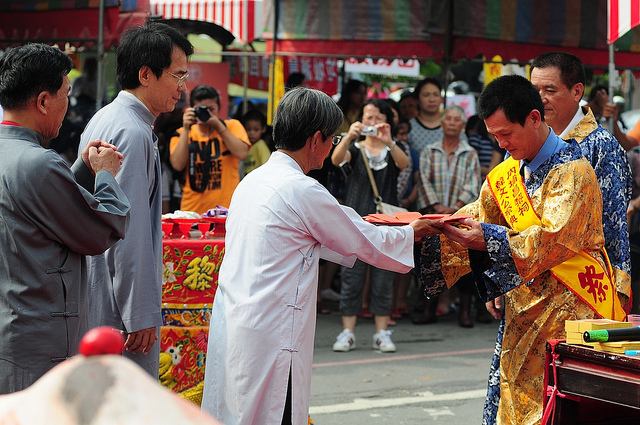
(346, 341)
(330, 295)
(382, 341)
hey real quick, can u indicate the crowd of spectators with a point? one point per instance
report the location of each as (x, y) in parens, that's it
(417, 154)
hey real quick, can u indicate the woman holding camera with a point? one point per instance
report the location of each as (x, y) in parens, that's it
(209, 152)
(385, 160)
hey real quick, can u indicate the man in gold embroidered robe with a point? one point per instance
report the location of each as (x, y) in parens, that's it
(562, 188)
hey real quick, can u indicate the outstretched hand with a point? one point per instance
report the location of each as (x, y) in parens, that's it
(469, 234)
(423, 227)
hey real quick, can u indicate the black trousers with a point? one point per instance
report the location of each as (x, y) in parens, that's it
(286, 417)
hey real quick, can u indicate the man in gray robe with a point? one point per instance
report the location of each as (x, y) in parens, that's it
(126, 291)
(48, 222)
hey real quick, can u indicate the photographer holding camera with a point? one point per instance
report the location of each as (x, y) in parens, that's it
(368, 150)
(209, 150)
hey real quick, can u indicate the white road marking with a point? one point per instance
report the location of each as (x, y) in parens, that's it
(423, 397)
(444, 411)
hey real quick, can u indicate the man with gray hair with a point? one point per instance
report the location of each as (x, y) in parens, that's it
(280, 223)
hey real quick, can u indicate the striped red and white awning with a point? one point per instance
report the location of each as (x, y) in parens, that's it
(623, 15)
(242, 18)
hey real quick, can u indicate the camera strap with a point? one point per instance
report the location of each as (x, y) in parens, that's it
(363, 154)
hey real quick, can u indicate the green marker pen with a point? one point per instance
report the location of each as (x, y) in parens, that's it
(610, 335)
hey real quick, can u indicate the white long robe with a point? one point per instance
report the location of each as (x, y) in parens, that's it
(264, 312)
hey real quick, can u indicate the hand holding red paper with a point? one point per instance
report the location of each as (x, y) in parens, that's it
(467, 232)
(425, 227)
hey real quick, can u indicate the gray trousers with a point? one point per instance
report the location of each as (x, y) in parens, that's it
(352, 286)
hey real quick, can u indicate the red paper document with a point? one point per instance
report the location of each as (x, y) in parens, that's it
(404, 218)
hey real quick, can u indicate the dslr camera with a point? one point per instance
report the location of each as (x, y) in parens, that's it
(369, 130)
(202, 113)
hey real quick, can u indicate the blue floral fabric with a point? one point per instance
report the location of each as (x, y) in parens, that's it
(611, 165)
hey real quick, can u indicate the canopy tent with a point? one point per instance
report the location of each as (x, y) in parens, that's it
(382, 28)
(71, 21)
(76, 22)
(622, 16)
(455, 29)
(241, 18)
(223, 20)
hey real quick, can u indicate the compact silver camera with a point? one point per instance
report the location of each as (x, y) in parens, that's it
(369, 130)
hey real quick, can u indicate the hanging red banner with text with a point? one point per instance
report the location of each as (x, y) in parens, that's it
(320, 73)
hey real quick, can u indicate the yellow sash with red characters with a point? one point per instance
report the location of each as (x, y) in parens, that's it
(582, 274)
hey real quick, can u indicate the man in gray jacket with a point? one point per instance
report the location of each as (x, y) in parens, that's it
(126, 291)
(48, 221)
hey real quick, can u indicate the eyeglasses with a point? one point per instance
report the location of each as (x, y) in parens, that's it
(335, 140)
(181, 80)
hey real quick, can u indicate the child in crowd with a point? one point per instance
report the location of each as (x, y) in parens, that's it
(255, 123)
(408, 179)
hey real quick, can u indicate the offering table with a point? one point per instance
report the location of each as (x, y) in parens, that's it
(189, 283)
(587, 386)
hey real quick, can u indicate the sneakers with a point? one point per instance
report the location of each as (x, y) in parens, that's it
(346, 341)
(330, 295)
(382, 341)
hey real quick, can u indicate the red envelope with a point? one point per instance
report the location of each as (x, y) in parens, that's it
(456, 217)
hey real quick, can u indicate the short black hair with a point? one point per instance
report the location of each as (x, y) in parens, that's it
(570, 66)
(424, 82)
(384, 108)
(595, 89)
(254, 115)
(28, 70)
(349, 88)
(203, 92)
(295, 79)
(149, 45)
(401, 121)
(407, 94)
(515, 95)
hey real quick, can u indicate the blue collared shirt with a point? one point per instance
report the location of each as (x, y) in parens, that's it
(552, 145)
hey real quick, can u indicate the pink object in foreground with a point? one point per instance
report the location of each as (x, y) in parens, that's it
(101, 340)
(99, 390)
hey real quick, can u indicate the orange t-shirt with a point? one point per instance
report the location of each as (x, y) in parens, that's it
(635, 132)
(223, 174)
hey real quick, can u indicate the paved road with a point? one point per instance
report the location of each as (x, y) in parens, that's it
(438, 374)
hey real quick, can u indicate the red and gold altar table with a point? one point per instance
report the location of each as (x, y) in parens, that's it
(189, 283)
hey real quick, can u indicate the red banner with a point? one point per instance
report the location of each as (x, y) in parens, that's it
(182, 357)
(321, 73)
(189, 283)
(190, 273)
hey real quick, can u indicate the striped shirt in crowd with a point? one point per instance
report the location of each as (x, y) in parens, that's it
(447, 182)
